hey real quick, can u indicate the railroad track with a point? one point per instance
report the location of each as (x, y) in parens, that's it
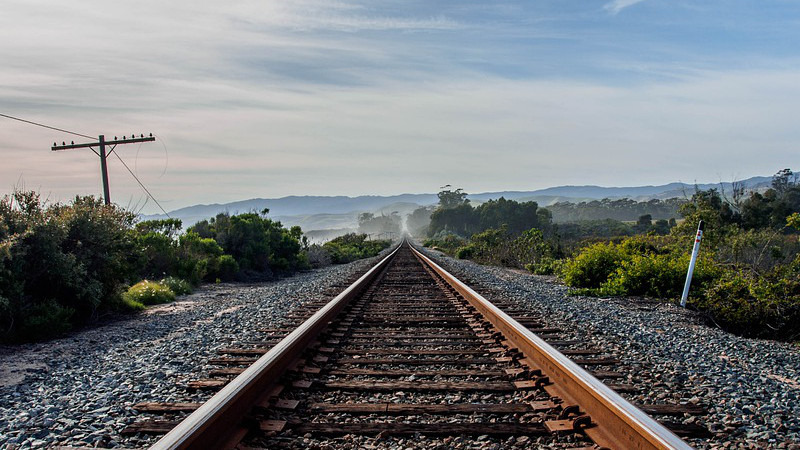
(409, 351)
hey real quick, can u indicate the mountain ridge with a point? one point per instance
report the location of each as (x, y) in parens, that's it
(341, 211)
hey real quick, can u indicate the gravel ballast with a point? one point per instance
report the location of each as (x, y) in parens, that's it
(78, 390)
(751, 387)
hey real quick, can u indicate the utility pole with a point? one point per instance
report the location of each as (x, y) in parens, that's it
(101, 144)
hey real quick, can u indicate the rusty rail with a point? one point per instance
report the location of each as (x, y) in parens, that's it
(621, 424)
(210, 425)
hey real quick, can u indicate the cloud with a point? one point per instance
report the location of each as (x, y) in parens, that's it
(615, 6)
(273, 98)
(251, 141)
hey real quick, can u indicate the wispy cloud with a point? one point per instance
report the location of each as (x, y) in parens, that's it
(270, 98)
(615, 6)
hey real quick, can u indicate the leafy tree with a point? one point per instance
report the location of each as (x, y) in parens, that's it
(452, 198)
(517, 217)
(460, 220)
(619, 209)
(709, 206)
(466, 220)
(771, 208)
(168, 227)
(258, 244)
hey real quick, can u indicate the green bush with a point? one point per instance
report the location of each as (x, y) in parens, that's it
(657, 275)
(754, 307)
(636, 266)
(594, 265)
(445, 241)
(547, 266)
(61, 265)
(258, 244)
(227, 268)
(148, 293)
(46, 320)
(66, 265)
(351, 247)
(466, 252)
(176, 285)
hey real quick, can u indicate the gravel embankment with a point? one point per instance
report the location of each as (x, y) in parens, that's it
(78, 390)
(751, 387)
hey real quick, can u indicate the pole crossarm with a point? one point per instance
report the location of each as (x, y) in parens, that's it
(56, 147)
(101, 144)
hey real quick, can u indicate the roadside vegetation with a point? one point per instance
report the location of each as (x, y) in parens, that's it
(63, 266)
(747, 279)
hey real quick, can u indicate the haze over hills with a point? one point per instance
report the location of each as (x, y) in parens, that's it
(340, 212)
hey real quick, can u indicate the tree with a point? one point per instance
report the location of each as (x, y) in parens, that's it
(517, 217)
(167, 227)
(452, 199)
(771, 208)
(783, 180)
(257, 244)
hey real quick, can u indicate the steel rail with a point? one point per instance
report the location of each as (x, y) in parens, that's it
(621, 424)
(211, 425)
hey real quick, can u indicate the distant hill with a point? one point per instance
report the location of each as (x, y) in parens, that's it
(587, 193)
(323, 213)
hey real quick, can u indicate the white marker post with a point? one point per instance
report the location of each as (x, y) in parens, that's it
(692, 262)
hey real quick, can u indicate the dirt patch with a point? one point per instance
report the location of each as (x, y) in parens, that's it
(15, 369)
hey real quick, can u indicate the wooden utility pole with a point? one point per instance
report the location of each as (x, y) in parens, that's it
(101, 144)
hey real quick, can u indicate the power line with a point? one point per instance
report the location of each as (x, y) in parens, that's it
(142, 185)
(133, 138)
(45, 126)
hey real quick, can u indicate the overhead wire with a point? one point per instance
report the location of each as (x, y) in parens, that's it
(142, 185)
(45, 126)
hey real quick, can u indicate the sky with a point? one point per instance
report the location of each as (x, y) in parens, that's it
(273, 98)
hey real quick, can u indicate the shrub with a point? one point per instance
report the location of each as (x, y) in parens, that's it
(317, 256)
(46, 320)
(148, 293)
(547, 266)
(445, 241)
(466, 252)
(657, 275)
(61, 265)
(351, 247)
(754, 307)
(176, 285)
(227, 268)
(258, 244)
(593, 266)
